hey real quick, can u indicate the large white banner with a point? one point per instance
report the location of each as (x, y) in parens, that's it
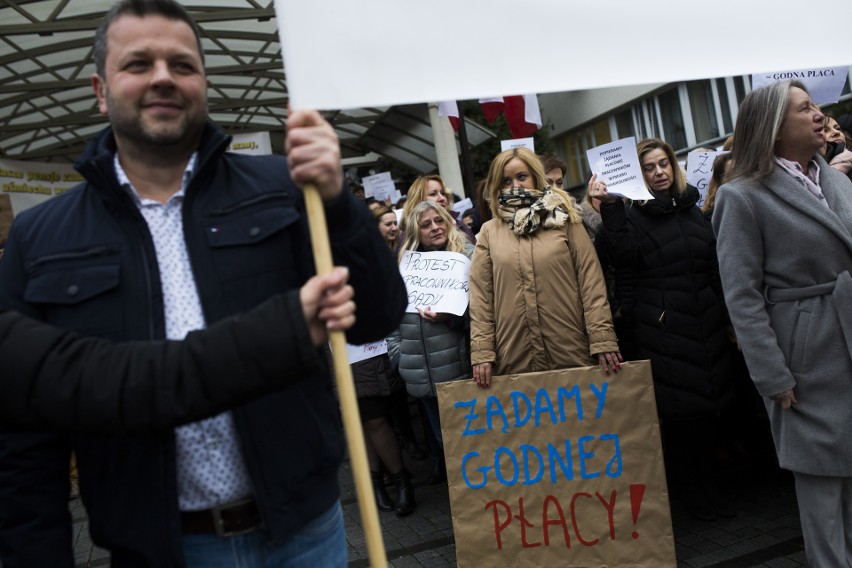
(376, 52)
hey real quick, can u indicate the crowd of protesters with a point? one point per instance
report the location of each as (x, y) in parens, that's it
(727, 311)
(614, 280)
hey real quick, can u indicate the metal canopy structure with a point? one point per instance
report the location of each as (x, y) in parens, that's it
(48, 109)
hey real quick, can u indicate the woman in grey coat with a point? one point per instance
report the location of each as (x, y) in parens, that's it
(784, 226)
(431, 347)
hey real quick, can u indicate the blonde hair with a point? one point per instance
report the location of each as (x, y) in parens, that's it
(417, 193)
(455, 239)
(494, 181)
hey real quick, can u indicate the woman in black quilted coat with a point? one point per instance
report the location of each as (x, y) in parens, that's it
(667, 283)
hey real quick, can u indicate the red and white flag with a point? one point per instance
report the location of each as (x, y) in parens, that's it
(450, 109)
(522, 113)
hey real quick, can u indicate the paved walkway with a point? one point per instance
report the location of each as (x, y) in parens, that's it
(765, 533)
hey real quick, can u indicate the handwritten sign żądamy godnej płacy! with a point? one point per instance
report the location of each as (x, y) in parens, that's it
(557, 468)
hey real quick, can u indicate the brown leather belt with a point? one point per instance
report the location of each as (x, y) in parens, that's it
(230, 519)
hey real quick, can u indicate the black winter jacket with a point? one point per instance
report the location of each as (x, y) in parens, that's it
(85, 261)
(56, 379)
(669, 292)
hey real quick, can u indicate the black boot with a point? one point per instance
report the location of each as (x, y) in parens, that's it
(383, 500)
(404, 493)
(439, 472)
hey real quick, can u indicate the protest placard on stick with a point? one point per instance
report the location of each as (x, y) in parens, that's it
(557, 468)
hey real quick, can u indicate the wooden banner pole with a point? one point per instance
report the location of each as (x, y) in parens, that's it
(346, 392)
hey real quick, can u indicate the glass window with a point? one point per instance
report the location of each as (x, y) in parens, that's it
(739, 85)
(704, 119)
(573, 151)
(624, 123)
(602, 133)
(722, 89)
(672, 118)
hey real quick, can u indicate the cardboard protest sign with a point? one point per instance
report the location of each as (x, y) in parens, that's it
(436, 279)
(699, 171)
(557, 468)
(351, 69)
(825, 84)
(617, 165)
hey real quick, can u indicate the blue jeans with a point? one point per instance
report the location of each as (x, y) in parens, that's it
(320, 543)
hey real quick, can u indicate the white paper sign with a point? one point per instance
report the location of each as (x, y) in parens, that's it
(699, 170)
(463, 205)
(824, 83)
(527, 143)
(358, 353)
(349, 68)
(438, 280)
(617, 165)
(379, 186)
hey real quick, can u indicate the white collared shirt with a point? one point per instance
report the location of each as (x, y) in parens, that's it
(210, 465)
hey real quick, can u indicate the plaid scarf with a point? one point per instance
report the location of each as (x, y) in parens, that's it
(528, 209)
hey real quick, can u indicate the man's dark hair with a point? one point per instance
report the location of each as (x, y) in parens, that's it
(168, 9)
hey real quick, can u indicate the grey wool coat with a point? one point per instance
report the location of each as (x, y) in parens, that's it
(784, 260)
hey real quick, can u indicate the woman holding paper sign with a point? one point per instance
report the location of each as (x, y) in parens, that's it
(667, 281)
(784, 224)
(538, 298)
(431, 347)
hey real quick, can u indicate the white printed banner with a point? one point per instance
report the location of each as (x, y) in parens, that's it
(823, 83)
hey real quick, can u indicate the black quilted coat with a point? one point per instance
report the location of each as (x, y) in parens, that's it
(668, 288)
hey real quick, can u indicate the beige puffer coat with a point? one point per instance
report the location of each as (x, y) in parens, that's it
(537, 302)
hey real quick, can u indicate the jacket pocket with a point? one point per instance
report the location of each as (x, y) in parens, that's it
(78, 292)
(70, 283)
(251, 228)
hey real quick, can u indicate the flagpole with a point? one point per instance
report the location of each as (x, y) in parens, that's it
(346, 391)
(467, 170)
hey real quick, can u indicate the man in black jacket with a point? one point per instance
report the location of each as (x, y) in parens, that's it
(168, 234)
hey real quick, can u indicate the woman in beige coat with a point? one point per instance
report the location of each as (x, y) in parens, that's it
(784, 226)
(537, 294)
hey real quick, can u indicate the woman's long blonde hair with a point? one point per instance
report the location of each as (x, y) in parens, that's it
(494, 181)
(455, 239)
(417, 193)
